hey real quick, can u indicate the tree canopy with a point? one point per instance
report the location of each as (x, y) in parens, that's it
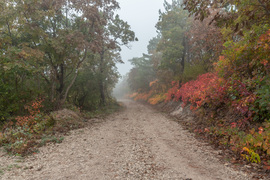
(49, 46)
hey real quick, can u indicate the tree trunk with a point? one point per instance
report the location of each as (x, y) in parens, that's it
(183, 55)
(61, 81)
(64, 97)
(101, 79)
(64, 94)
(102, 94)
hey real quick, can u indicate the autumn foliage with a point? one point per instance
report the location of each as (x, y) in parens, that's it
(34, 111)
(239, 84)
(196, 92)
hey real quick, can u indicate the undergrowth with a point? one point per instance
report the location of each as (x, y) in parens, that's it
(233, 101)
(23, 135)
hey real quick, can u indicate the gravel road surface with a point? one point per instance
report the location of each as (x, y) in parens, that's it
(136, 143)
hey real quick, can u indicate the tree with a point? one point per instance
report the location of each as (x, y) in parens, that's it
(16, 74)
(153, 44)
(117, 33)
(44, 45)
(172, 26)
(205, 42)
(141, 74)
(64, 31)
(238, 14)
(122, 89)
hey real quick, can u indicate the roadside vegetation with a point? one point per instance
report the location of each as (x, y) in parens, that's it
(23, 135)
(214, 57)
(57, 68)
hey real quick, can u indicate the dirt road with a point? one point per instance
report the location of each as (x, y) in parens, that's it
(137, 143)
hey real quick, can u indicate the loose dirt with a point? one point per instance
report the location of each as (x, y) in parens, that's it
(136, 143)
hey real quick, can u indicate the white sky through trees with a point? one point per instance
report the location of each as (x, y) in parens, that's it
(142, 16)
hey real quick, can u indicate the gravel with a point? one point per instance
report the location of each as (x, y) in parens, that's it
(137, 143)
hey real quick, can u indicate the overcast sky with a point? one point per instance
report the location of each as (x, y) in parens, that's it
(142, 16)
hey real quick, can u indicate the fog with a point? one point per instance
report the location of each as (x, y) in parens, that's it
(142, 15)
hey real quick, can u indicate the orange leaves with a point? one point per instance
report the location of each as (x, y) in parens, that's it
(251, 144)
(263, 50)
(206, 130)
(143, 96)
(265, 37)
(260, 130)
(264, 62)
(221, 58)
(153, 96)
(153, 82)
(251, 156)
(21, 120)
(157, 99)
(25, 120)
(33, 109)
(133, 95)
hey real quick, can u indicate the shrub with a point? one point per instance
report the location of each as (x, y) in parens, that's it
(157, 99)
(207, 88)
(21, 137)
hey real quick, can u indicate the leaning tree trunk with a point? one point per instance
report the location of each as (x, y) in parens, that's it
(64, 94)
(64, 97)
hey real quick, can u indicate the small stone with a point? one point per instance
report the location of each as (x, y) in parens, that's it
(39, 168)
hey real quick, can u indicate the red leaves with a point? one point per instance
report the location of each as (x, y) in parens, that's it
(264, 62)
(260, 130)
(233, 125)
(265, 37)
(196, 92)
(209, 88)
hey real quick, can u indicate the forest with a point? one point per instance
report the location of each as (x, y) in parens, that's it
(59, 53)
(213, 57)
(56, 54)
